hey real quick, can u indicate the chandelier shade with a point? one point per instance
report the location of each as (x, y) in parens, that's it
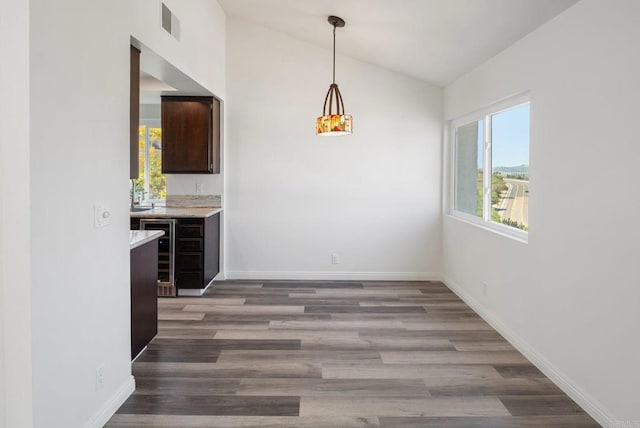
(330, 123)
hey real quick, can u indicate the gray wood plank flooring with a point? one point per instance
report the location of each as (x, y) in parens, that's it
(311, 354)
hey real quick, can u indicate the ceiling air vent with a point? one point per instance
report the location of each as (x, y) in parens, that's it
(170, 22)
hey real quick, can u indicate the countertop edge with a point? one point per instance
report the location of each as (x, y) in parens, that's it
(141, 237)
(176, 213)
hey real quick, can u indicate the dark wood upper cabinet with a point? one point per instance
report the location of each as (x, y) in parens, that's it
(190, 135)
(134, 112)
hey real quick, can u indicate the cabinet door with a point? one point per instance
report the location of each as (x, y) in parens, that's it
(134, 223)
(144, 295)
(188, 135)
(190, 253)
(197, 251)
(211, 247)
(134, 111)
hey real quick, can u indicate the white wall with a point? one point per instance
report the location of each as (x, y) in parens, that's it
(200, 54)
(15, 286)
(185, 184)
(78, 156)
(569, 297)
(149, 111)
(293, 199)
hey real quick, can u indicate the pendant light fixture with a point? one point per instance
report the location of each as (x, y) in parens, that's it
(334, 123)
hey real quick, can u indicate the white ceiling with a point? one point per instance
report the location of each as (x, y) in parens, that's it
(148, 83)
(433, 40)
(158, 77)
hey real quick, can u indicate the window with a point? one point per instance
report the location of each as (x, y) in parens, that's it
(469, 164)
(491, 167)
(151, 184)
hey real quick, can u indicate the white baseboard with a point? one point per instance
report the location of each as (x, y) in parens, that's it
(191, 292)
(334, 276)
(584, 400)
(113, 404)
(139, 353)
(199, 291)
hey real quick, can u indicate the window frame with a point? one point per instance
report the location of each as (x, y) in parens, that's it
(149, 123)
(485, 114)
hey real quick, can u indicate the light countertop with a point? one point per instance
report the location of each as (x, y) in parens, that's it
(176, 212)
(141, 237)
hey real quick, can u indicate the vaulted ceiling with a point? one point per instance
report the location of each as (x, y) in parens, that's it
(433, 40)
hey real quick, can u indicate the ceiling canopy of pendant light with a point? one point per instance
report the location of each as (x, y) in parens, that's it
(334, 122)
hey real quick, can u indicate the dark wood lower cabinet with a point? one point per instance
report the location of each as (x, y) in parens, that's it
(197, 251)
(144, 291)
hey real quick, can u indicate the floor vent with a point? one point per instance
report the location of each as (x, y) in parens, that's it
(170, 22)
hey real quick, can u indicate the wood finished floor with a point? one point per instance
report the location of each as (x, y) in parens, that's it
(336, 354)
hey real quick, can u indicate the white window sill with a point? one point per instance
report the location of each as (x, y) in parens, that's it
(497, 228)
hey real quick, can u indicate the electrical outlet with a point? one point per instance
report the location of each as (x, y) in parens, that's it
(199, 188)
(335, 259)
(484, 288)
(100, 378)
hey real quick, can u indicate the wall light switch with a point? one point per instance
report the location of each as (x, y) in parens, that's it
(199, 188)
(102, 215)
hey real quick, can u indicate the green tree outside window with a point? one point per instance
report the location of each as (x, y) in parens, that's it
(152, 182)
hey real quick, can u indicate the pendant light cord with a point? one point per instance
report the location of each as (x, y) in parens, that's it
(333, 92)
(334, 53)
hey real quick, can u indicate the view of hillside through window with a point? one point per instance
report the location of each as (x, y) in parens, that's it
(510, 167)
